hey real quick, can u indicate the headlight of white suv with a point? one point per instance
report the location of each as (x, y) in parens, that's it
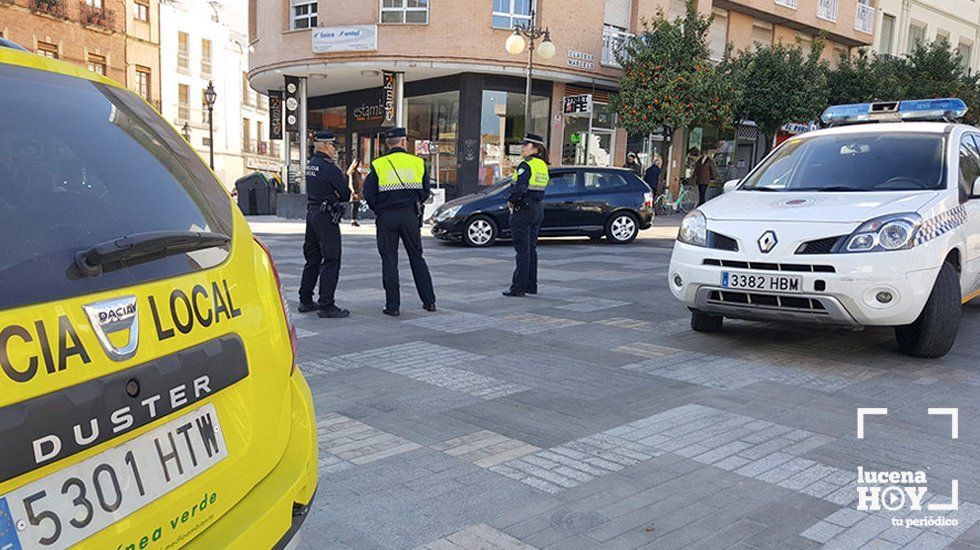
(447, 214)
(694, 229)
(892, 232)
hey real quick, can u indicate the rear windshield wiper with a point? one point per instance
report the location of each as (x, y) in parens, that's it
(91, 261)
(766, 189)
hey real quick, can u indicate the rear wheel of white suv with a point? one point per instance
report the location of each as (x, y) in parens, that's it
(705, 322)
(934, 332)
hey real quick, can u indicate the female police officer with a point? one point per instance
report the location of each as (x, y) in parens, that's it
(526, 213)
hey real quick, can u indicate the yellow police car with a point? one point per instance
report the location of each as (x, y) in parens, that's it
(148, 391)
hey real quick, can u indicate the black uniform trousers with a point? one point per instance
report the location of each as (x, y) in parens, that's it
(392, 225)
(525, 224)
(322, 252)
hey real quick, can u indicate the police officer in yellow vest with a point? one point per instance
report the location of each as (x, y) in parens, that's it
(526, 213)
(395, 189)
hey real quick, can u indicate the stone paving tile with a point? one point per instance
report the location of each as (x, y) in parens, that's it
(530, 323)
(588, 304)
(485, 448)
(456, 322)
(352, 442)
(480, 536)
(662, 328)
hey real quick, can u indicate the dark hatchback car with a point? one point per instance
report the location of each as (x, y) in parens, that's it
(579, 201)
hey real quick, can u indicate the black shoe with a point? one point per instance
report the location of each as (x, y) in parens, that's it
(306, 308)
(429, 307)
(332, 312)
(513, 294)
(535, 291)
(392, 312)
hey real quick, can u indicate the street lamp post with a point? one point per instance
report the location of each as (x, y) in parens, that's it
(515, 45)
(209, 97)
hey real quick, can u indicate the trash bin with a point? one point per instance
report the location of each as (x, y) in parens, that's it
(256, 194)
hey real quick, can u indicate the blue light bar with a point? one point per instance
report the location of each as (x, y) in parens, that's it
(916, 109)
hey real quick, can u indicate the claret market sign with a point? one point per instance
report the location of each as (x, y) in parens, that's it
(352, 38)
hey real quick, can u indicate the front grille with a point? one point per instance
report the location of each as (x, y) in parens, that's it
(767, 266)
(794, 304)
(722, 242)
(819, 246)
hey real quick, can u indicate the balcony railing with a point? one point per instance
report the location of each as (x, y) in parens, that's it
(54, 8)
(183, 61)
(205, 67)
(613, 39)
(95, 16)
(864, 19)
(792, 4)
(828, 9)
(183, 112)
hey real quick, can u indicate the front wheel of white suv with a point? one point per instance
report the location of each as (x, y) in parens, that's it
(932, 335)
(705, 322)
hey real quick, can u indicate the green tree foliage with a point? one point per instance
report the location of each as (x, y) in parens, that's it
(865, 77)
(668, 81)
(930, 70)
(778, 84)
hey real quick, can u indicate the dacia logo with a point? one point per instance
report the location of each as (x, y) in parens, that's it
(767, 242)
(111, 316)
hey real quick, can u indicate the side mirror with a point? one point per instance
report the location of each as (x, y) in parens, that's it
(731, 185)
(976, 188)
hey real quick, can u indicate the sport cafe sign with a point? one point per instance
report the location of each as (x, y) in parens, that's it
(352, 38)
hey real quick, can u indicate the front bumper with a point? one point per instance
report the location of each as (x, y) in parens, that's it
(270, 515)
(847, 298)
(448, 230)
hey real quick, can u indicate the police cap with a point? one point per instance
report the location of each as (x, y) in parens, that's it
(533, 138)
(395, 133)
(324, 135)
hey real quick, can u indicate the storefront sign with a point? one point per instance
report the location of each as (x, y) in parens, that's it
(266, 165)
(581, 60)
(275, 114)
(367, 114)
(389, 91)
(578, 104)
(352, 38)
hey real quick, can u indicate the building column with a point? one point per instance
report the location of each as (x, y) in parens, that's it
(556, 141)
(301, 93)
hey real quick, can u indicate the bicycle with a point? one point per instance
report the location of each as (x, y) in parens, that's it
(666, 203)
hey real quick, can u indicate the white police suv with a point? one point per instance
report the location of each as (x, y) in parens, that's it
(874, 221)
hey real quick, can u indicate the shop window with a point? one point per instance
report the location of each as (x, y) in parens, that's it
(141, 11)
(303, 14)
(433, 127)
(405, 11)
(509, 13)
(97, 64)
(47, 49)
(502, 128)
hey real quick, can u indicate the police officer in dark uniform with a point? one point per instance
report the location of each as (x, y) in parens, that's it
(326, 188)
(395, 189)
(526, 214)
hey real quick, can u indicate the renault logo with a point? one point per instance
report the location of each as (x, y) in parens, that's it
(111, 316)
(767, 242)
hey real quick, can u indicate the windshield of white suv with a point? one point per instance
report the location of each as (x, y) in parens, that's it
(897, 161)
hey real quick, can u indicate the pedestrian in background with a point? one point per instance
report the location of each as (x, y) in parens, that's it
(704, 172)
(356, 186)
(395, 189)
(715, 187)
(652, 175)
(526, 214)
(633, 164)
(326, 188)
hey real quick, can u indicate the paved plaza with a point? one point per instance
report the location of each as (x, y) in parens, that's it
(592, 416)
